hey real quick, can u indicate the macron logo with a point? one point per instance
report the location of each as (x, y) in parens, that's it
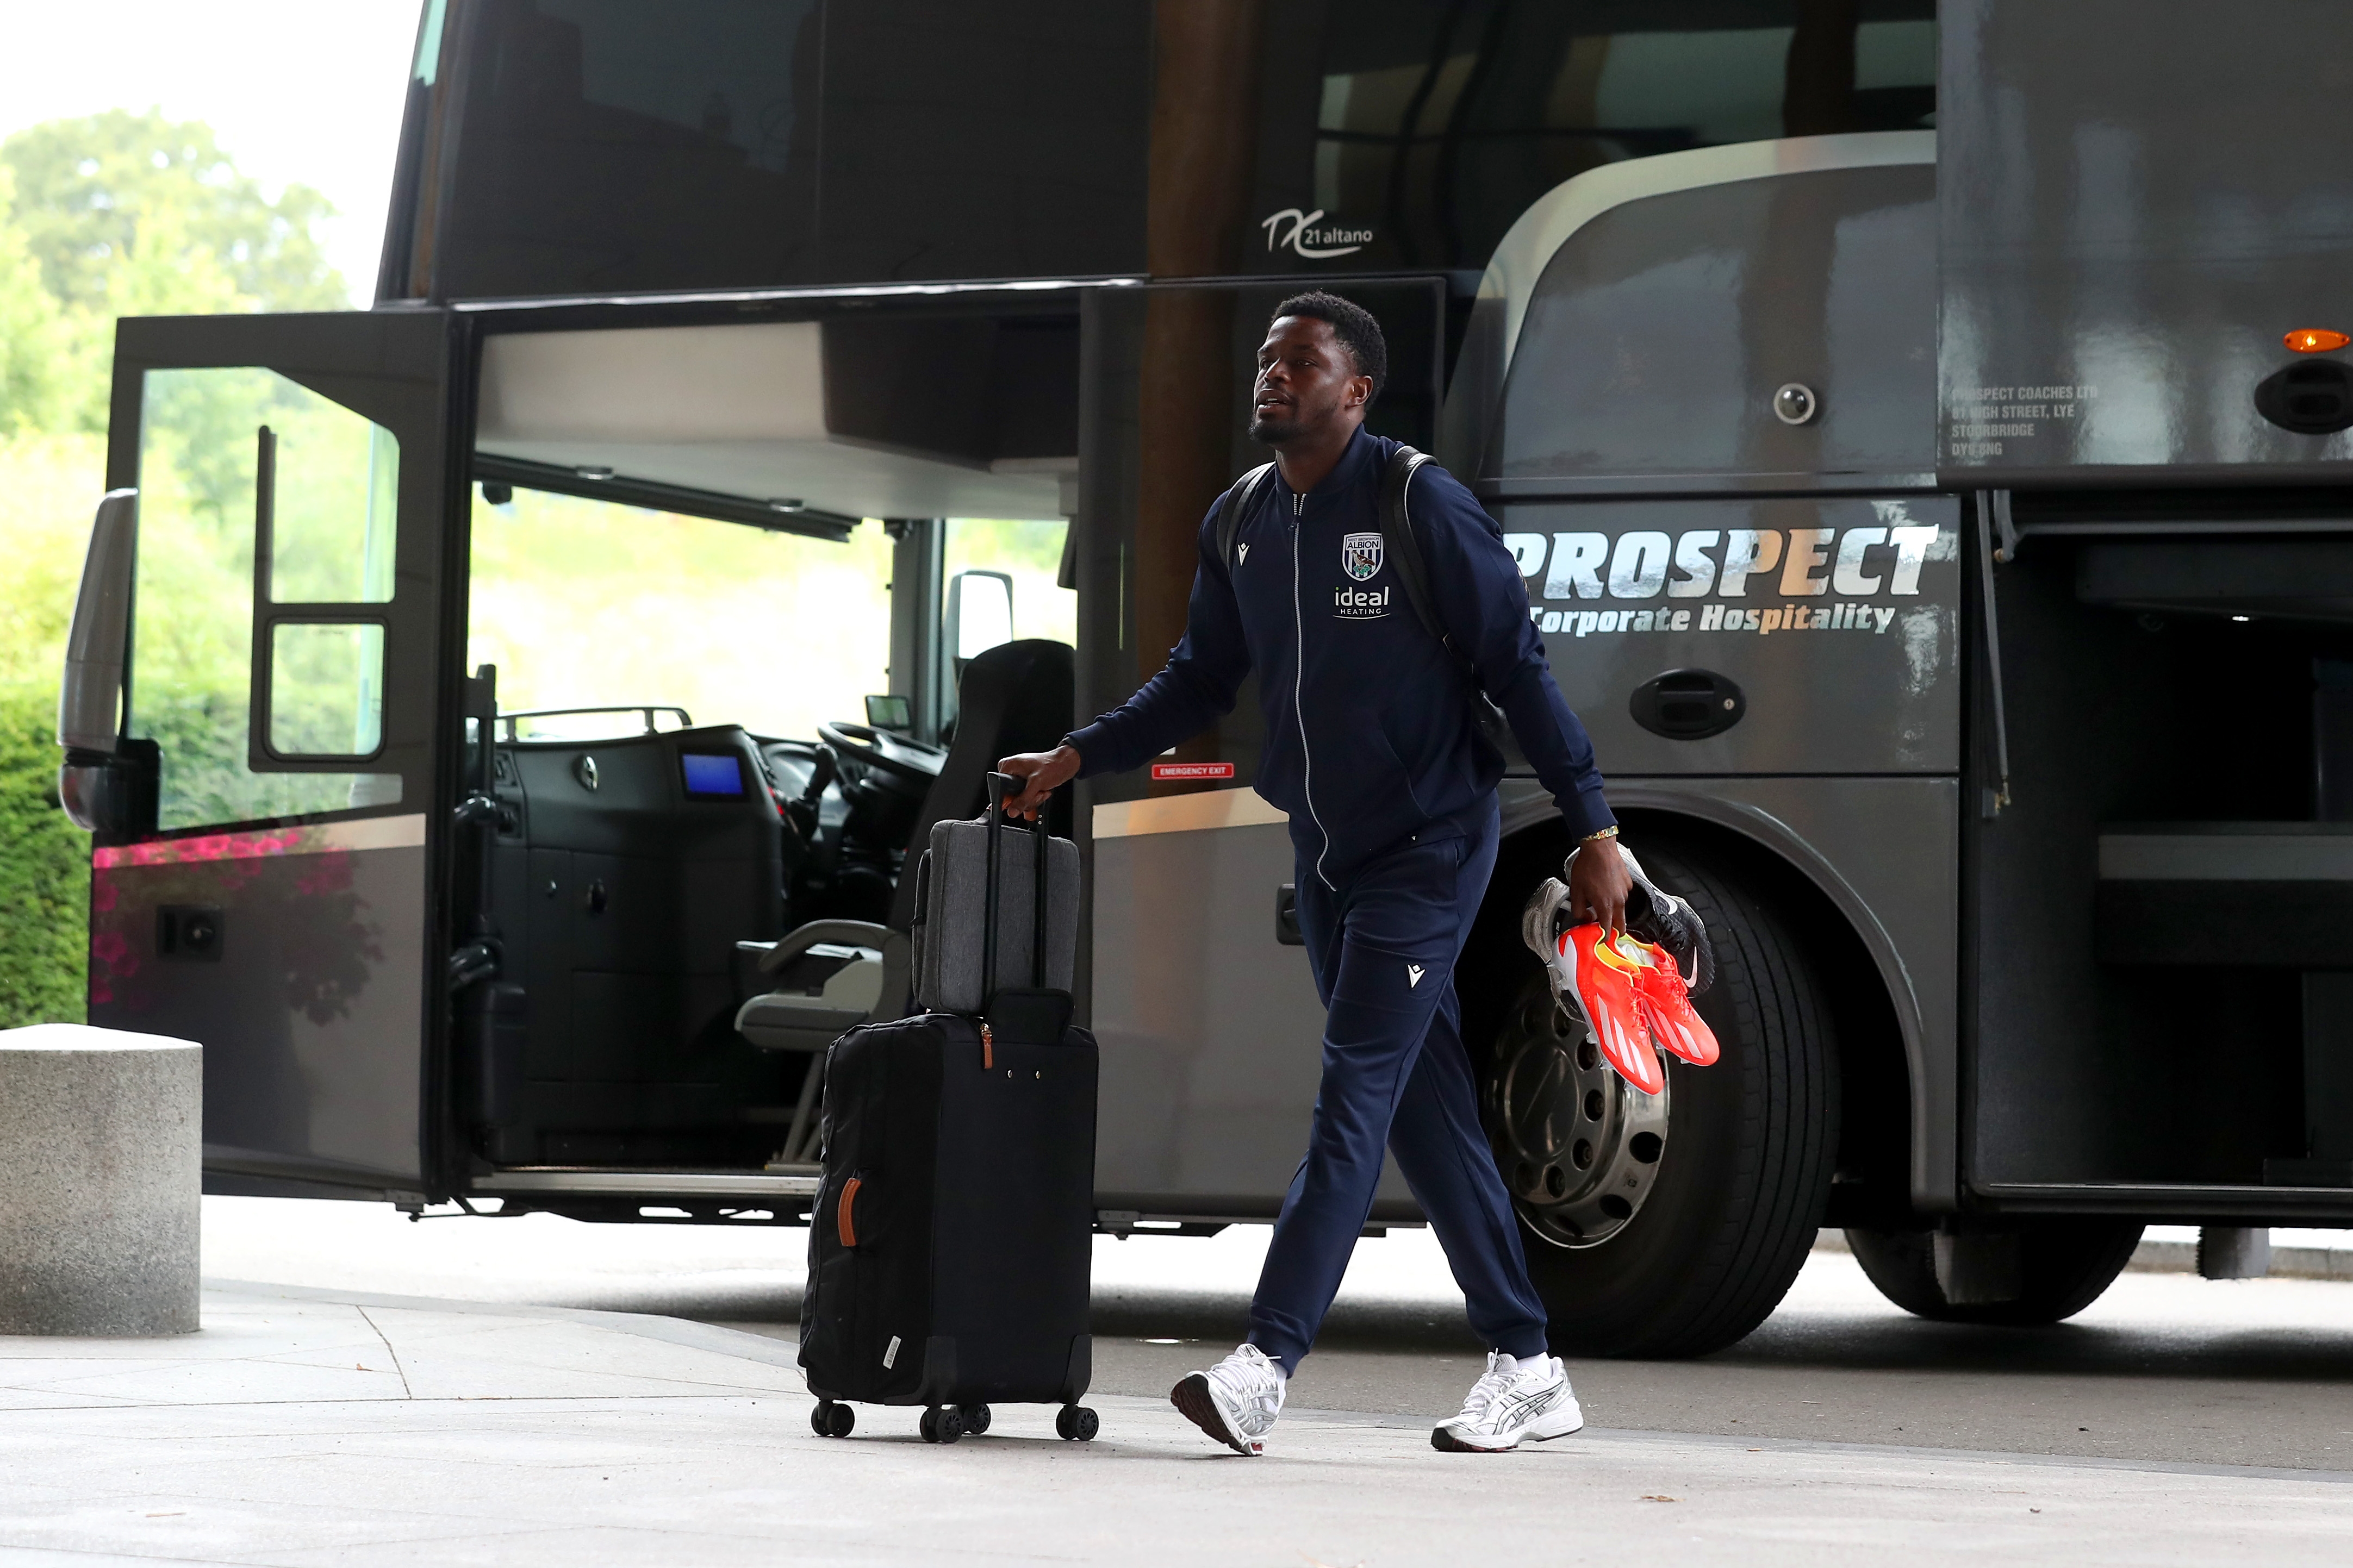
(1413, 974)
(1243, 552)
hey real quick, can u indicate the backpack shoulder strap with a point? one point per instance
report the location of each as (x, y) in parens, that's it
(1232, 505)
(1403, 547)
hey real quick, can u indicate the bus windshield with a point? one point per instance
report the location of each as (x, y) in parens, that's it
(585, 603)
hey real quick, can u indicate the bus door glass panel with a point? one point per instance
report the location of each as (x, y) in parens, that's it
(275, 906)
(201, 461)
(1208, 1022)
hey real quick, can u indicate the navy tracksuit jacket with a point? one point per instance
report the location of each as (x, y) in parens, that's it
(1373, 750)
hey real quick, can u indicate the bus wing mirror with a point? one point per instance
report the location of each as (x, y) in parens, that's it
(89, 695)
(979, 613)
(107, 784)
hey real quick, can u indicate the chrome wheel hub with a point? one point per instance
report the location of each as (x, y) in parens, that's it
(1577, 1146)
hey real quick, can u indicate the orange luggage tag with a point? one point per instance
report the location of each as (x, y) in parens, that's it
(1604, 978)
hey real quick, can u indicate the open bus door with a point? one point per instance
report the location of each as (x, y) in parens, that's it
(747, 571)
(1200, 993)
(264, 804)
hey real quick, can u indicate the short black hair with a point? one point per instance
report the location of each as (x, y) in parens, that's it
(1352, 328)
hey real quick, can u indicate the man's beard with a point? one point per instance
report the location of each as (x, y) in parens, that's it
(1274, 430)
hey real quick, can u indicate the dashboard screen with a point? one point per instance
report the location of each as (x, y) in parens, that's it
(712, 776)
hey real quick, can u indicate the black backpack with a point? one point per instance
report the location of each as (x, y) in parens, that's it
(1403, 551)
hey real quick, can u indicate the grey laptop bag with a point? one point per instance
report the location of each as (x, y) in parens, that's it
(952, 926)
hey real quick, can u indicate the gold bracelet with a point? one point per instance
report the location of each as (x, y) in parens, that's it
(1609, 832)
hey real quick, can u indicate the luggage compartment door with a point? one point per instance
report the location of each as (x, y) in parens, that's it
(269, 896)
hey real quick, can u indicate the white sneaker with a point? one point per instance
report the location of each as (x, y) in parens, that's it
(1237, 1400)
(1513, 1401)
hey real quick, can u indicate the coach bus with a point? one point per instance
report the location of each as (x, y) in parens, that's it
(505, 711)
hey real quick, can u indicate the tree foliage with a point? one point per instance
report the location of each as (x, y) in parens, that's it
(93, 192)
(49, 486)
(130, 215)
(40, 349)
(44, 870)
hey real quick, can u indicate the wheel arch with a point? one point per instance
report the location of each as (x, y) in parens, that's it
(1875, 1006)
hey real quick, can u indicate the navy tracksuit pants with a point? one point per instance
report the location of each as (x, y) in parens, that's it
(1396, 1075)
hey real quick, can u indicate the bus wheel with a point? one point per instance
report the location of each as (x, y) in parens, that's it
(1579, 1146)
(2063, 1266)
(1671, 1226)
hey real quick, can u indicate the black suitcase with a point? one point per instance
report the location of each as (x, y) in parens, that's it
(951, 1244)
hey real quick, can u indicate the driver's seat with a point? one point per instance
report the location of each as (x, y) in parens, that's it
(1015, 696)
(836, 974)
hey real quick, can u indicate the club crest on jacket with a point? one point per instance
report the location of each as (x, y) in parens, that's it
(1360, 555)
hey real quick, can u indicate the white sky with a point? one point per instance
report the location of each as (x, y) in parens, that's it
(297, 90)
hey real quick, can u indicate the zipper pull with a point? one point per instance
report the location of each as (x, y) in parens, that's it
(987, 1048)
(1298, 504)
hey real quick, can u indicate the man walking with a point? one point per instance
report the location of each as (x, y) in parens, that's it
(1373, 748)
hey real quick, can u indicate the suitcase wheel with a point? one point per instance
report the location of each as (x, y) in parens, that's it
(942, 1424)
(976, 1419)
(830, 1419)
(1076, 1424)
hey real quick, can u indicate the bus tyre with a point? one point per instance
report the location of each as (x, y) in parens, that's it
(2064, 1265)
(1671, 1225)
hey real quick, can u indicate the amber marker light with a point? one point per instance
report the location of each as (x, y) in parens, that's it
(2315, 340)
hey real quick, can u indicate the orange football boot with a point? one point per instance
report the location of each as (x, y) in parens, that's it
(1604, 978)
(1665, 1002)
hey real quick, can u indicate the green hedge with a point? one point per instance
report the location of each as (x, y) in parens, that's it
(44, 871)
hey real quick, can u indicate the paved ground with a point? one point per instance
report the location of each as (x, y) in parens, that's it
(359, 1410)
(2165, 1367)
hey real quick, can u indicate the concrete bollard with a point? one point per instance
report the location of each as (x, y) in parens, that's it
(101, 1180)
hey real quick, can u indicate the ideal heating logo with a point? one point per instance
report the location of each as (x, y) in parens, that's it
(1828, 578)
(1298, 230)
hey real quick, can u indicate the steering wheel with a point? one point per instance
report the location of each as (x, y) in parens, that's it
(894, 755)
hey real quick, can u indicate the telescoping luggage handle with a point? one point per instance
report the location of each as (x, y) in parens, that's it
(1001, 786)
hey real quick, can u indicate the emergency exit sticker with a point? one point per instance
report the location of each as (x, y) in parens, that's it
(1192, 769)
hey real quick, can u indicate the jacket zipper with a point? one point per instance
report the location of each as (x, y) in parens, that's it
(1298, 682)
